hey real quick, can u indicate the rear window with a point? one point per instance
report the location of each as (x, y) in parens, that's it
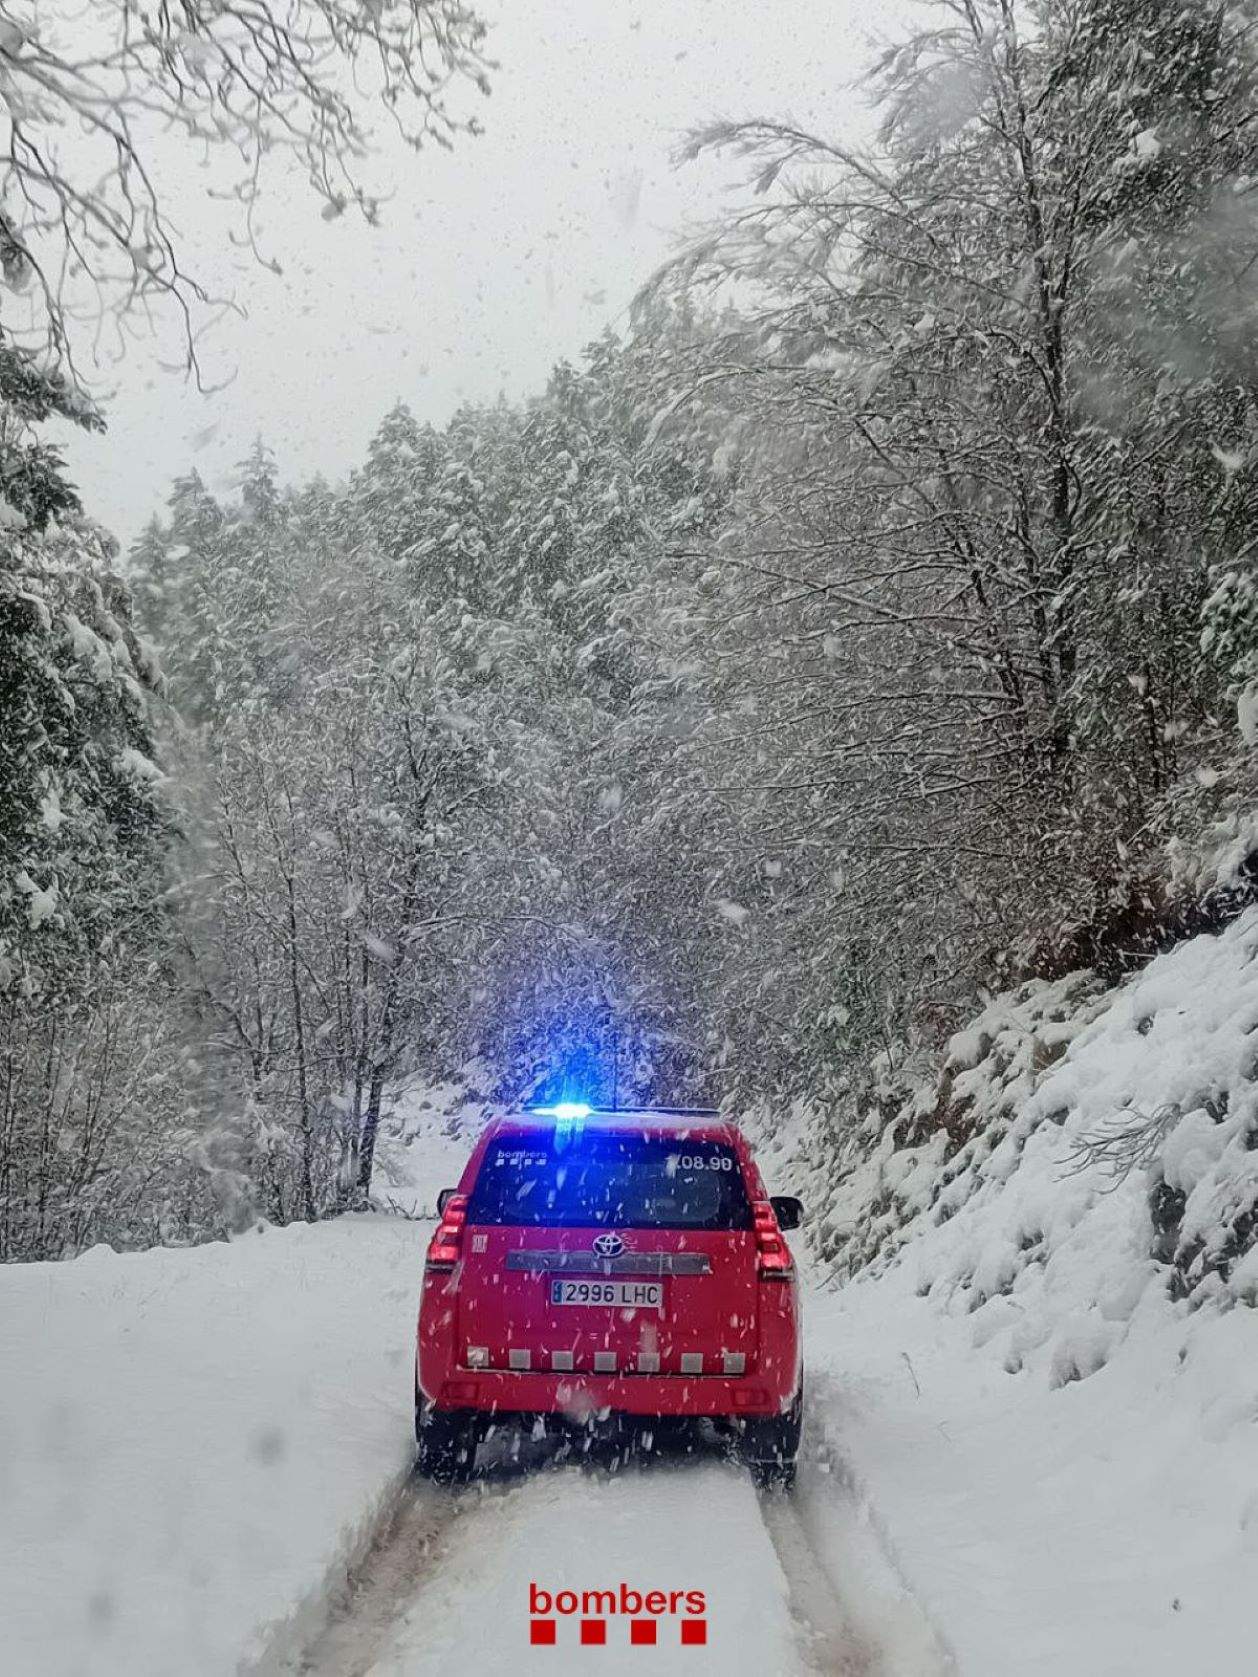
(582, 1180)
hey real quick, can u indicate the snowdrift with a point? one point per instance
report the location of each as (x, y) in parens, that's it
(1042, 1370)
(195, 1443)
(1084, 1143)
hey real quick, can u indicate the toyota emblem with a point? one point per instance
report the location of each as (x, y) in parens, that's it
(608, 1245)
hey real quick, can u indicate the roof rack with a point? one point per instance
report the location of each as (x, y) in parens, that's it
(617, 1111)
(664, 1111)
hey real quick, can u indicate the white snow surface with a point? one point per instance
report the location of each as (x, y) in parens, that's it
(192, 1441)
(427, 1132)
(1057, 1445)
(688, 1527)
(1109, 1526)
(1025, 1455)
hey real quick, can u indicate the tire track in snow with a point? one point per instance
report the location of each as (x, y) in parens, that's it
(827, 1638)
(844, 1531)
(446, 1577)
(669, 1525)
(410, 1544)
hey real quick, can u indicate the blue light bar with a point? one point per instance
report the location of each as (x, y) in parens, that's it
(565, 1111)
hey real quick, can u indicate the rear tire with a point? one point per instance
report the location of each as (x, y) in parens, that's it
(770, 1445)
(773, 1476)
(447, 1443)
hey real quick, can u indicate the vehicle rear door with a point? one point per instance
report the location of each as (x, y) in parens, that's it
(602, 1252)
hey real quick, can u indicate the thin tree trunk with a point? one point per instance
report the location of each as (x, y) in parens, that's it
(299, 1030)
(370, 1129)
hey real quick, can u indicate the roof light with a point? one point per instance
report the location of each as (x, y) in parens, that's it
(565, 1111)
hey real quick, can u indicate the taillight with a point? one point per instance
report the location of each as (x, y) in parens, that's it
(773, 1261)
(446, 1246)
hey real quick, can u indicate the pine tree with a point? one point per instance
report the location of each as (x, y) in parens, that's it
(153, 581)
(392, 491)
(192, 646)
(448, 562)
(83, 833)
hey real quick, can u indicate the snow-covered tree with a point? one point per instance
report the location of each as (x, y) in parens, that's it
(989, 384)
(83, 832)
(392, 492)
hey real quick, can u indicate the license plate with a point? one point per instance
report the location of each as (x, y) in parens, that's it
(619, 1295)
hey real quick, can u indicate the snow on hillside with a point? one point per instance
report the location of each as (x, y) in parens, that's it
(1078, 1145)
(427, 1132)
(194, 1442)
(1046, 1380)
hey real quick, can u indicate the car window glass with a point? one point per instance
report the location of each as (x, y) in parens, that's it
(607, 1181)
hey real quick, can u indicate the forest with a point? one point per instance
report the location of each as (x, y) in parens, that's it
(868, 625)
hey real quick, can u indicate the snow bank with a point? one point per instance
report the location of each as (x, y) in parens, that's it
(194, 1442)
(1045, 1375)
(1129, 1115)
(1108, 1526)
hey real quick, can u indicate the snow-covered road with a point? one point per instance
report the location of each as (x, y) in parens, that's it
(449, 1583)
(197, 1446)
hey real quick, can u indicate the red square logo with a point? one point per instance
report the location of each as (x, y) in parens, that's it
(694, 1632)
(593, 1632)
(542, 1630)
(642, 1633)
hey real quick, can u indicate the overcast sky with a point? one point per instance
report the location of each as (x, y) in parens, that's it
(491, 263)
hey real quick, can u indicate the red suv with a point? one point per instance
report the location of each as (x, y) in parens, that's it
(593, 1265)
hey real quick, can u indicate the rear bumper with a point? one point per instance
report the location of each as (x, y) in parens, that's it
(580, 1396)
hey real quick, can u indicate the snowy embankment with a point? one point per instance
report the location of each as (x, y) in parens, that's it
(1045, 1386)
(195, 1443)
